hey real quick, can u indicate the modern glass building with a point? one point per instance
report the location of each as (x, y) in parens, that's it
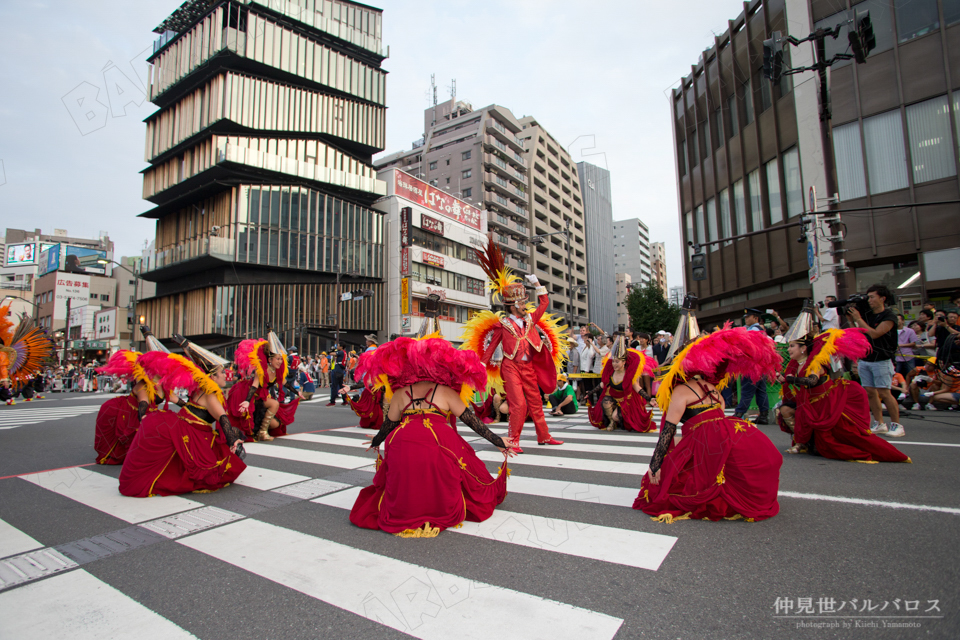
(261, 174)
(748, 153)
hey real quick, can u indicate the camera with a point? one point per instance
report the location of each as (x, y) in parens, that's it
(857, 300)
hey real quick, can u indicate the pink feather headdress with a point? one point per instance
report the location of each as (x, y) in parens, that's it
(177, 372)
(242, 357)
(847, 343)
(405, 361)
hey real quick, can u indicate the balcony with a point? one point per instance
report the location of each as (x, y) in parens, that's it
(202, 253)
(499, 219)
(502, 133)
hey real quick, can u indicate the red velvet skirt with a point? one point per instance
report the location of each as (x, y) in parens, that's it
(117, 424)
(636, 416)
(836, 415)
(721, 468)
(369, 409)
(175, 453)
(246, 422)
(428, 474)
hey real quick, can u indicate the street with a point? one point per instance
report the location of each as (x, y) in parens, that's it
(858, 550)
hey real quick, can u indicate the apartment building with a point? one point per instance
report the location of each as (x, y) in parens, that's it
(631, 249)
(658, 266)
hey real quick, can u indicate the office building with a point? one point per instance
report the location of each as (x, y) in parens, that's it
(260, 172)
(658, 266)
(430, 249)
(676, 295)
(624, 282)
(631, 250)
(750, 158)
(598, 220)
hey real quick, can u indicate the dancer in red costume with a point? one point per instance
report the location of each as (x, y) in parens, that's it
(524, 347)
(261, 404)
(22, 350)
(428, 479)
(622, 403)
(832, 417)
(369, 406)
(193, 450)
(721, 467)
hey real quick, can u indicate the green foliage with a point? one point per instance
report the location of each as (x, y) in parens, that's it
(649, 310)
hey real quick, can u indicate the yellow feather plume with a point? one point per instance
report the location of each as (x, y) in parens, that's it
(816, 364)
(204, 383)
(669, 379)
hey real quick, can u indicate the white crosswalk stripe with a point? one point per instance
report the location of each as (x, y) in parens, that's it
(13, 417)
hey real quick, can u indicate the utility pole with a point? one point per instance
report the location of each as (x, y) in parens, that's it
(569, 277)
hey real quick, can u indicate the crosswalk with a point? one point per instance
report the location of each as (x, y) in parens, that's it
(29, 413)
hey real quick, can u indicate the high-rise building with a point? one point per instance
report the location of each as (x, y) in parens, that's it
(676, 295)
(623, 282)
(598, 219)
(261, 172)
(511, 167)
(631, 250)
(658, 265)
(750, 158)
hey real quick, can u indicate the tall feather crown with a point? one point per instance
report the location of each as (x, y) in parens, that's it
(503, 281)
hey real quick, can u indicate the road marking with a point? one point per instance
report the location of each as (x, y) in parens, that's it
(13, 418)
(607, 544)
(323, 458)
(79, 606)
(266, 479)
(868, 503)
(577, 491)
(928, 444)
(14, 542)
(607, 436)
(574, 464)
(101, 492)
(409, 598)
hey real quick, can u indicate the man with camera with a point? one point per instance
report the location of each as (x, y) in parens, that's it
(876, 368)
(829, 319)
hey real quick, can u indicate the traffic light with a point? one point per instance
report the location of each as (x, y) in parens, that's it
(862, 39)
(698, 262)
(773, 57)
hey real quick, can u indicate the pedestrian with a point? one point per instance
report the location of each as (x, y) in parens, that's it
(876, 368)
(829, 319)
(906, 342)
(661, 347)
(324, 370)
(748, 388)
(338, 371)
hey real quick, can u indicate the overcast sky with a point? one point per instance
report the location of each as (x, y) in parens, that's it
(594, 74)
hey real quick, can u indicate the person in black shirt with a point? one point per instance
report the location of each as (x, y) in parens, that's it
(876, 369)
(338, 369)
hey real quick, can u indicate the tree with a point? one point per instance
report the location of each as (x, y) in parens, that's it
(649, 311)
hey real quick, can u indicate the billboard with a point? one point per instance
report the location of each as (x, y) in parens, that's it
(21, 254)
(435, 199)
(75, 288)
(73, 256)
(105, 324)
(49, 260)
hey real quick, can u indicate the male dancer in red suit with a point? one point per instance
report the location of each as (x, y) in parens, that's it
(527, 364)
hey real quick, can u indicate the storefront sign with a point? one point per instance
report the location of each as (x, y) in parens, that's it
(405, 261)
(435, 260)
(404, 296)
(73, 287)
(405, 324)
(105, 324)
(431, 224)
(406, 186)
(406, 227)
(439, 292)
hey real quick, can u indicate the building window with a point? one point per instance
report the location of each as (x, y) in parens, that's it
(433, 165)
(94, 296)
(688, 218)
(773, 192)
(886, 157)
(734, 118)
(739, 208)
(951, 12)
(465, 155)
(433, 182)
(725, 216)
(766, 94)
(682, 157)
(694, 152)
(448, 162)
(468, 192)
(448, 180)
(708, 142)
(718, 124)
(105, 297)
(701, 231)
(915, 18)
(931, 150)
(849, 157)
(756, 213)
(748, 102)
(467, 173)
(712, 223)
(792, 182)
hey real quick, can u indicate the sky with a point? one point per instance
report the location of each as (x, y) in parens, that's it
(596, 75)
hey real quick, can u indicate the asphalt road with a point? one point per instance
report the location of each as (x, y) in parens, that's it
(563, 556)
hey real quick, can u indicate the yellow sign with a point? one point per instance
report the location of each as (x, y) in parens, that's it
(404, 296)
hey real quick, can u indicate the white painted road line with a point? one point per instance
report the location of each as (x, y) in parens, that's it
(79, 606)
(336, 460)
(928, 444)
(266, 479)
(409, 598)
(322, 438)
(869, 503)
(574, 464)
(101, 492)
(607, 544)
(577, 491)
(14, 542)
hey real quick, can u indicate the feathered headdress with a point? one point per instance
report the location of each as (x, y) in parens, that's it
(719, 357)
(848, 343)
(126, 364)
(405, 361)
(637, 365)
(503, 281)
(23, 348)
(151, 340)
(177, 372)
(253, 356)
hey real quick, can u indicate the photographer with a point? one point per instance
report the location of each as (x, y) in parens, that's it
(828, 318)
(876, 369)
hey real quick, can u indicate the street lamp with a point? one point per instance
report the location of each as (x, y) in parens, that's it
(538, 240)
(36, 305)
(136, 296)
(351, 274)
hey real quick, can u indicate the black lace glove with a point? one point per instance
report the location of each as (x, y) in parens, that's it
(808, 382)
(644, 394)
(232, 434)
(469, 418)
(388, 426)
(250, 392)
(142, 409)
(180, 402)
(666, 437)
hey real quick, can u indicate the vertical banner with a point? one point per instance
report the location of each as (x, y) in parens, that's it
(405, 261)
(404, 296)
(406, 226)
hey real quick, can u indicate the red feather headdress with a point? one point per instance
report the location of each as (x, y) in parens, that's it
(176, 372)
(848, 343)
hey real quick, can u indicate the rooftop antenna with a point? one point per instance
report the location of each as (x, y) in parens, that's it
(453, 90)
(433, 90)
